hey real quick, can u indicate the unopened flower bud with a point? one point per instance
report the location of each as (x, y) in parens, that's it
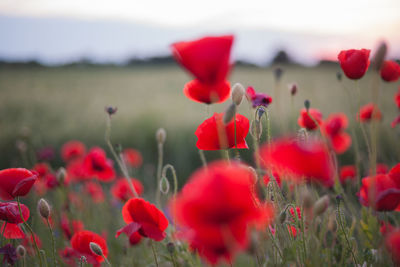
(307, 200)
(61, 175)
(307, 104)
(293, 88)
(237, 93)
(339, 76)
(164, 185)
(229, 113)
(379, 56)
(21, 251)
(43, 208)
(171, 247)
(260, 112)
(321, 205)
(161, 135)
(111, 110)
(256, 129)
(96, 249)
(282, 216)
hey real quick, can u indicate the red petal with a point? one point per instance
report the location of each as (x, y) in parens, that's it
(206, 93)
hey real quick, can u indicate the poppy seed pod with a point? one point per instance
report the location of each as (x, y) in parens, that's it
(96, 249)
(43, 208)
(21, 251)
(321, 205)
(161, 135)
(229, 113)
(237, 93)
(307, 104)
(171, 247)
(379, 56)
(307, 200)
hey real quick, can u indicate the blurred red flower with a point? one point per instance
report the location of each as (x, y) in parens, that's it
(267, 179)
(70, 227)
(299, 161)
(258, 99)
(213, 134)
(368, 112)
(395, 121)
(397, 98)
(354, 63)
(216, 207)
(347, 173)
(310, 123)
(95, 191)
(80, 243)
(333, 127)
(9, 213)
(27, 242)
(121, 190)
(382, 168)
(16, 182)
(69, 256)
(390, 71)
(144, 218)
(97, 165)
(132, 157)
(392, 242)
(207, 59)
(72, 150)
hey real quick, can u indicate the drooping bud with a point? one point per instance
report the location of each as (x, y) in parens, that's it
(229, 113)
(96, 249)
(111, 110)
(43, 208)
(256, 129)
(164, 185)
(321, 205)
(379, 56)
(260, 112)
(171, 247)
(161, 135)
(293, 88)
(339, 76)
(61, 175)
(282, 216)
(307, 200)
(307, 104)
(21, 251)
(237, 93)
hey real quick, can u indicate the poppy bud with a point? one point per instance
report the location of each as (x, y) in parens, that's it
(307, 200)
(256, 129)
(171, 247)
(321, 205)
(237, 93)
(110, 110)
(261, 112)
(278, 73)
(43, 208)
(379, 56)
(61, 175)
(21, 251)
(307, 104)
(161, 135)
(96, 249)
(164, 185)
(282, 216)
(229, 113)
(339, 76)
(293, 88)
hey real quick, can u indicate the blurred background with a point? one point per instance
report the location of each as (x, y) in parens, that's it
(62, 62)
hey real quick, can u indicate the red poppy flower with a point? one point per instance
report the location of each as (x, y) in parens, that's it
(392, 242)
(386, 228)
(380, 192)
(382, 168)
(69, 256)
(144, 218)
(294, 217)
(354, 63)
(267, 179)
(216, 208)
(45, 153)
(395, 121)
(310, 123)
(9, 213)
(213, 134)
(299, 160)
(132, 157)
(208, 60)
(70, 227)
(42, 169)
(258, 99)
(72, 150)
(397, 98)
(95, 191)
(121, 190)
(347, 173)
(16, 182)
(80, 243)
(333, 127)
(27, 242)
(394, 174)
(368, 112)
(97, 165)
(390, 71)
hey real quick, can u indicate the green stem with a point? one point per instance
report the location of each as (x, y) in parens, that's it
(53, 243)
(43, 254)
(106, 260)
(275, 244)
(154, 252)
(339, 216)
(203, 158)
(2, 234)
(159, 168)
(31, 232)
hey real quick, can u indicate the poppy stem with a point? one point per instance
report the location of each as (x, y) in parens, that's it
(339, 219)
(2, 234)
(203, 158)
(154, 252)
(120, 164)
(31, 232)
(43, 254)
(106, 260)
(275, 244)
(159, 169)
(53, 243)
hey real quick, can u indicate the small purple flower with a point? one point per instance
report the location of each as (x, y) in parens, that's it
(10, 254)
(45, 153)
(258, 99)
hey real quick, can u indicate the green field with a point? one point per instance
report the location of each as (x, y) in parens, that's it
(60, 104)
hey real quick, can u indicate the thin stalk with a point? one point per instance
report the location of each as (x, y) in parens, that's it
(2, 234)
(159, 169)
(106, 260)
(203, 158)
(154, 252)
(173, 259)
(364, 133)
(53, 243)
(275, 244)
(43, 254)
(31, 232)
(350, 247)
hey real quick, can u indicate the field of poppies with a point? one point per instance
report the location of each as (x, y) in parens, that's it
(246, 167)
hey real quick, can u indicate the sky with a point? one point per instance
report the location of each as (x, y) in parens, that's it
(308, 29)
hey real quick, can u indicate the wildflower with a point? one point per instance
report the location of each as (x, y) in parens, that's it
(213, 134)
(217, 207)
(333, 127)
(45, 153)
(95, 191)
(299, 161)
(258, 99)
(70, 227)
(390, 71)
(397, 98)
(10, 254)
(207, 59)
(347, 173)
(72, 150)
(395, 121)
(132, 157)
(16, 182)
(97, 165)
(80, 242)
(392, 242)
(354, 63)
(310, 119)
(368, 112)
(27, 242)
(144, 218)
(121, 190)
